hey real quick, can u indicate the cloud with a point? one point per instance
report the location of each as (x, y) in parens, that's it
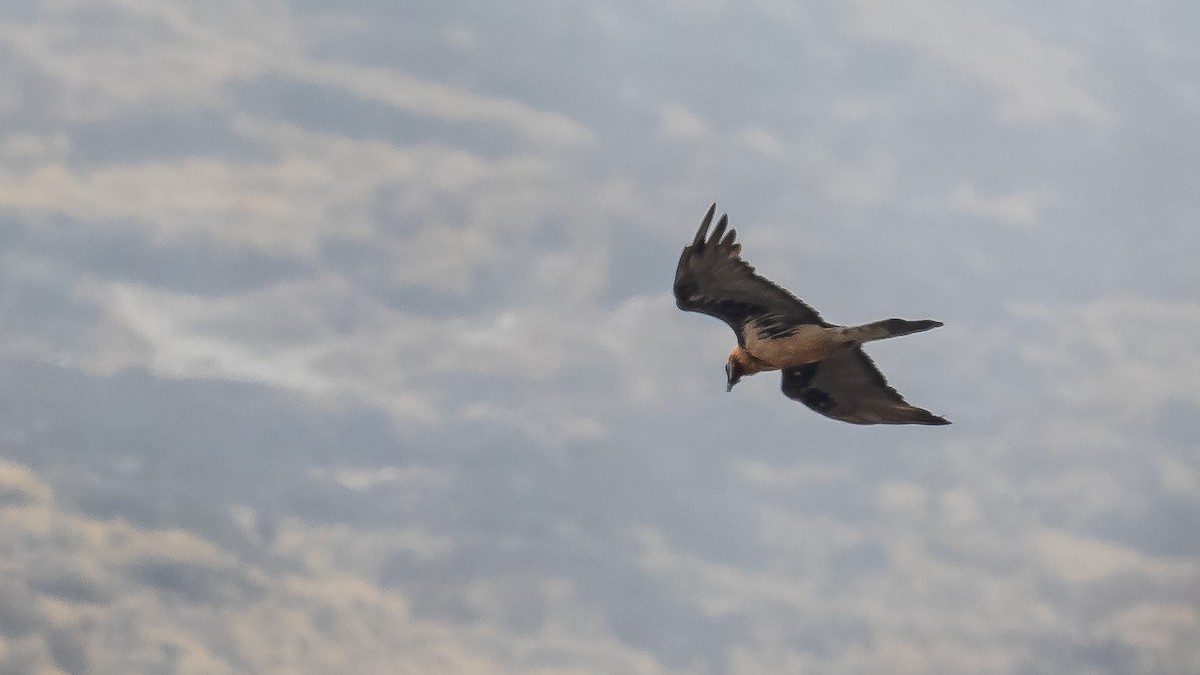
(278, 206)
(1017, 209)
(1162, 634)
(1079, 560)
(679, 123)
(297, 610)
(461, 37)
(177, 55)
(446, 103)
(1128, 356)
(361, 480)
(166, 53)
(348, 344)
(762, 141)
(1037, 82)
(258, 336)
(318, 187)
(19, 486)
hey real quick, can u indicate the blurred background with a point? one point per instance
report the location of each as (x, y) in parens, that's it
(339, 337)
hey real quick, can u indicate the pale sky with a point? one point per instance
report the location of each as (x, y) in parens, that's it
(339, 337)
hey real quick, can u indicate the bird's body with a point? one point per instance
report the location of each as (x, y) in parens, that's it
(808, 342)
(823, 365)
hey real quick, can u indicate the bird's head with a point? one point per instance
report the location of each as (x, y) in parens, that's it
(734, 369)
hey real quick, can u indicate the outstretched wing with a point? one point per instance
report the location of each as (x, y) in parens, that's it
(713, 279)
(848, 387)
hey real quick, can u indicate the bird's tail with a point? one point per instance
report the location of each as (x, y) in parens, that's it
(888, 328)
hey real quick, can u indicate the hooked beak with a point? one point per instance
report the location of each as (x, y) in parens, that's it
(731, 378)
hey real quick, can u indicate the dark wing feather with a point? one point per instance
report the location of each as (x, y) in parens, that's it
(848, 387)
(713, 279)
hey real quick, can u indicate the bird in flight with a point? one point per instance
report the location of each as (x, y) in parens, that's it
(823, 365)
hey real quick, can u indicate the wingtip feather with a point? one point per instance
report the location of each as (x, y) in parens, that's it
(728, 239)
(926, 417)
(719, 233)
(702, 233)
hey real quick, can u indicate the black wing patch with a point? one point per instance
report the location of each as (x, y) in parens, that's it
(848, 387)
(712, 279)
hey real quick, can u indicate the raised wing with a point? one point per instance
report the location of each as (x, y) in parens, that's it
(713, 279)
(850, 388)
